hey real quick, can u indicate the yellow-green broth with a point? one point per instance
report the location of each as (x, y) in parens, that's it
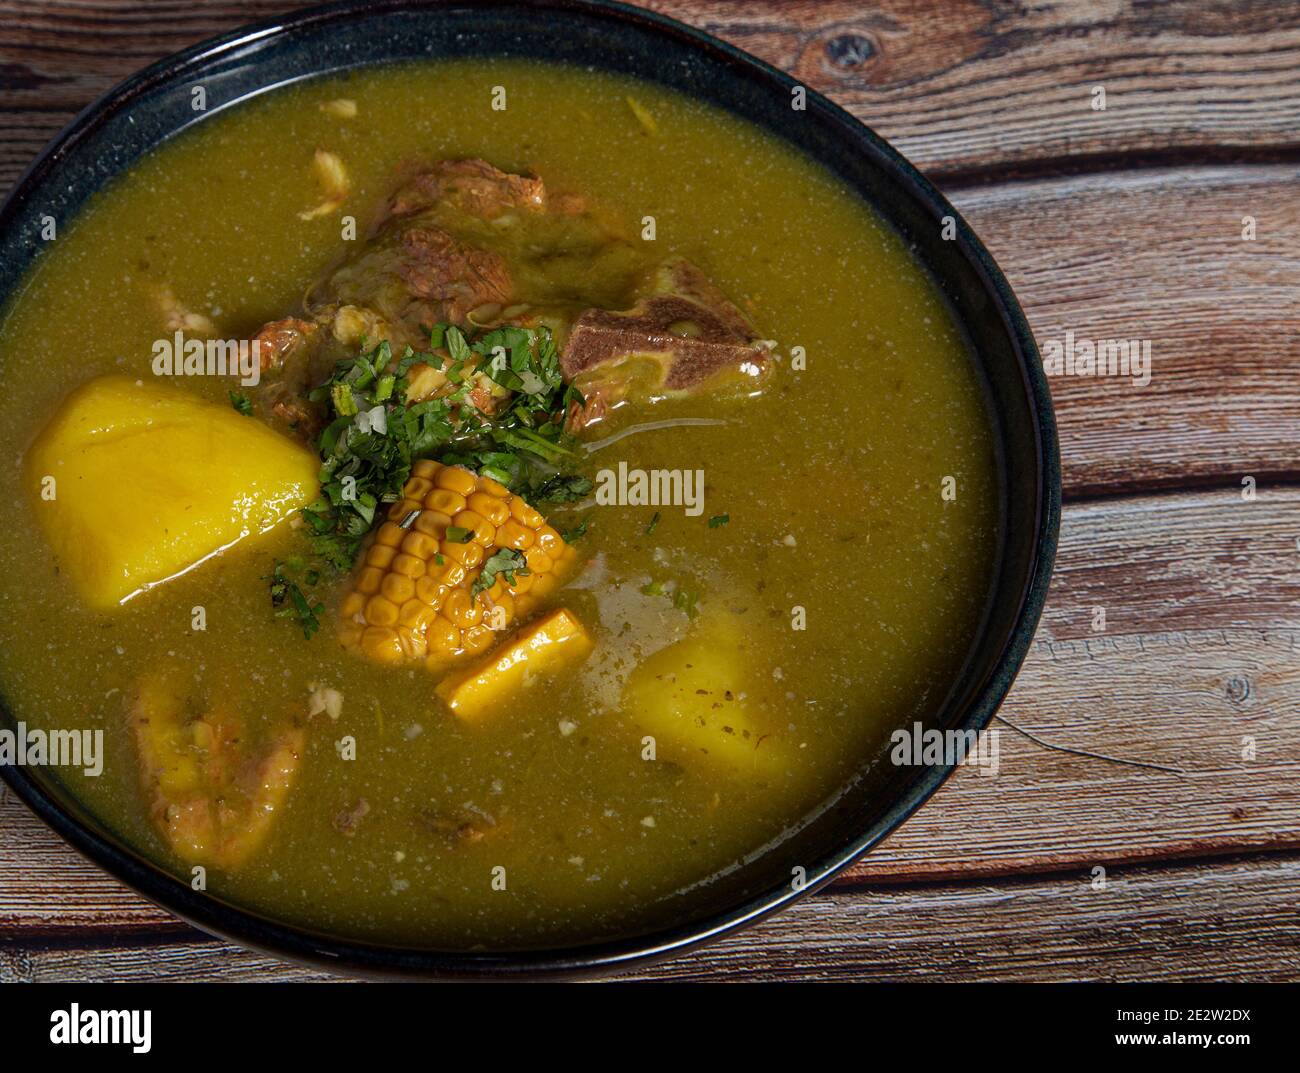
(832, 481)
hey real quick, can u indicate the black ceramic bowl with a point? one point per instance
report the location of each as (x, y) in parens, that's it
(155, 105)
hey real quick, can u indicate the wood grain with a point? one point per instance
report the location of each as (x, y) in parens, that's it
(965, 88)
(1234, 922)
(1200, 650)
(1158, 256)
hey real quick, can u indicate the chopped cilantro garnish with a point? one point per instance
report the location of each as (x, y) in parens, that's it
(242, 403)
(576, 533)
(685, 600)
(458, 534)
(719, 519)
(506, 562)
(561, 489)
(654, 522)
(290, 602)
(375, 429)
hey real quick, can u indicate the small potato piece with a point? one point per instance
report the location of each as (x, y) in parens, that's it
(689, 697)
(555, 641)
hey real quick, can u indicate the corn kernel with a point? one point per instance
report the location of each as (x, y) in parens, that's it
(414, 644)
(477, 638)
(459, 608)
(421, 545)
(445, 501)
(467, 555)
(429, 591)
(443, 636)
(524, 514)
(515, 535)
(380, 555)
(538, 561)
(399, 510)
(380, 611)
(489, 506)
(549, 540)
(382, 644)
(417, 488)
(432, 522)
(397, 588)
(484, 532)
(409, 566)
(456, 479)
(415, 615)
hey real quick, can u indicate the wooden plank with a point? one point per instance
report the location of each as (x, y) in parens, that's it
(961, 86)
(45, 885)
(968, 87)
(1202, 619)
(1233, 922)
(1230, 922)
(1158, 256)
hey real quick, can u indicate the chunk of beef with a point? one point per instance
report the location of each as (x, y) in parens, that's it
(435, 267)
(279, 340)
(682, 337)
(466, 243)
(287, 350)
(470, 186)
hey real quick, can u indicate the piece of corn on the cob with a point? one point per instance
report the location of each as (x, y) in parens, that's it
(411, 597)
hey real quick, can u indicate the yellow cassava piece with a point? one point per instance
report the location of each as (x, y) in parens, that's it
(546, 645)
(150, 480)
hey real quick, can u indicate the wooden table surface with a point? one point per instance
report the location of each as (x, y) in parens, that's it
(1118, 223)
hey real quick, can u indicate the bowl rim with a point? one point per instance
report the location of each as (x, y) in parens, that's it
(286, 941)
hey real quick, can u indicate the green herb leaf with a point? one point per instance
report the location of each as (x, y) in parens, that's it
(718, 520)
(242, 403)
(576, 533)
(374, 432)
(290, 602)
(507, 562)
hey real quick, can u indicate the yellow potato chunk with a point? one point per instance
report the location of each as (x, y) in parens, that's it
(136, 483)
(690, 697)
(552, 642)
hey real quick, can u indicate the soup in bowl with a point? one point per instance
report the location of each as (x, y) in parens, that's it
(481, 512)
